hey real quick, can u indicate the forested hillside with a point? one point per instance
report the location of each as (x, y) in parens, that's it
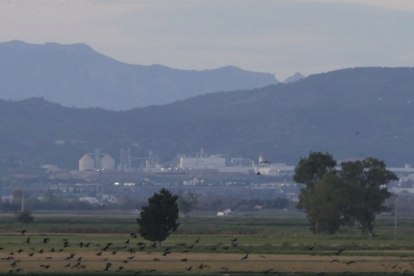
(350, 113)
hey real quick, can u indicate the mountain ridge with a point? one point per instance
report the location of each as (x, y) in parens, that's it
(357, 112)
(77, 75)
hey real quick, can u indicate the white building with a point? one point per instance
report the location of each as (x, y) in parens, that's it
(89, 199)
(227, 212)
(107, 163)
(202, 163)
(86, 163)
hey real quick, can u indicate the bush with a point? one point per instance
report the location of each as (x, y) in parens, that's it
(24, 216)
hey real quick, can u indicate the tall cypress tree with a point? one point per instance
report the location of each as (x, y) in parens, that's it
(159, 219)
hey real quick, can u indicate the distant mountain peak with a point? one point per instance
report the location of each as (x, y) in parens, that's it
(77, 75)
(297, 76)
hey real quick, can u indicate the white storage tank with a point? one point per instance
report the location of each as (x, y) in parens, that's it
(86, 163)
(107, 163)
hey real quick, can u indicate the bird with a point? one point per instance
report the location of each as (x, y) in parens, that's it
(335, 261)
(189, 268)
(156, 260)
(267, 271)
(107, 246)
(99, 253)
(264, 257)
(234, 240)
(184, 260)
(186, 251)
(350, 262)
(130, 258)
(45, 240)
(28, 240)
(265, 162)
(68, 265)
(339, 251)
(23, 232)
(166, 253)
(258, 173)
(245, 257)
(108, 265)
(127, 242)
(196, 241)
(224, 268)
(311, 248)
(120, 268)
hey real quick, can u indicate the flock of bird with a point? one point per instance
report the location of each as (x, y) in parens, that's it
(348, 263)
(78, 262)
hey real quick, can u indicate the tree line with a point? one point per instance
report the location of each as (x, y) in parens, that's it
(333, 197)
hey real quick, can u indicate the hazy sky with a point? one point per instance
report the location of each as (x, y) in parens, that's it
(276, 36)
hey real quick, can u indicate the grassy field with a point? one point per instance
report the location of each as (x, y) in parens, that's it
(275, 245)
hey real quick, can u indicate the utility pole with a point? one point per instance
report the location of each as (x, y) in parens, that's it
(395, 214)
(22, 200)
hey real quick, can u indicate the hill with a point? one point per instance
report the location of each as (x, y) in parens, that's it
(297, 76)
(351, 113)
(76, 75)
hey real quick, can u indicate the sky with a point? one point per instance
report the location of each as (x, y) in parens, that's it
(275, 36)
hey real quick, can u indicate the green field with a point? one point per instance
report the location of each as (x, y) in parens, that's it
(276, 245)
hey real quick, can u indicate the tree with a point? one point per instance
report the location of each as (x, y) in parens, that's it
(24, 216)
(159, 219)
(366, 182)
(332, 199)
(329, 204)
(309, 172)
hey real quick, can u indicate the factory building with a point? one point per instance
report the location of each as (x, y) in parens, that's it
(107, 163)
(86, 163)
(202, 163)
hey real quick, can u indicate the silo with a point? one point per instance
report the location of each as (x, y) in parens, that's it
(86, 163)
(107, 163)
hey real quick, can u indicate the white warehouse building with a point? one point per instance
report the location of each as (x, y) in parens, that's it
(202, 163)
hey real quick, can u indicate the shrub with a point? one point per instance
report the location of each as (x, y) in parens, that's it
(24, 216)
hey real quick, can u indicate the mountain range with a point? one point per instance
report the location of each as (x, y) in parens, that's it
(351, 113)
(76, 75)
